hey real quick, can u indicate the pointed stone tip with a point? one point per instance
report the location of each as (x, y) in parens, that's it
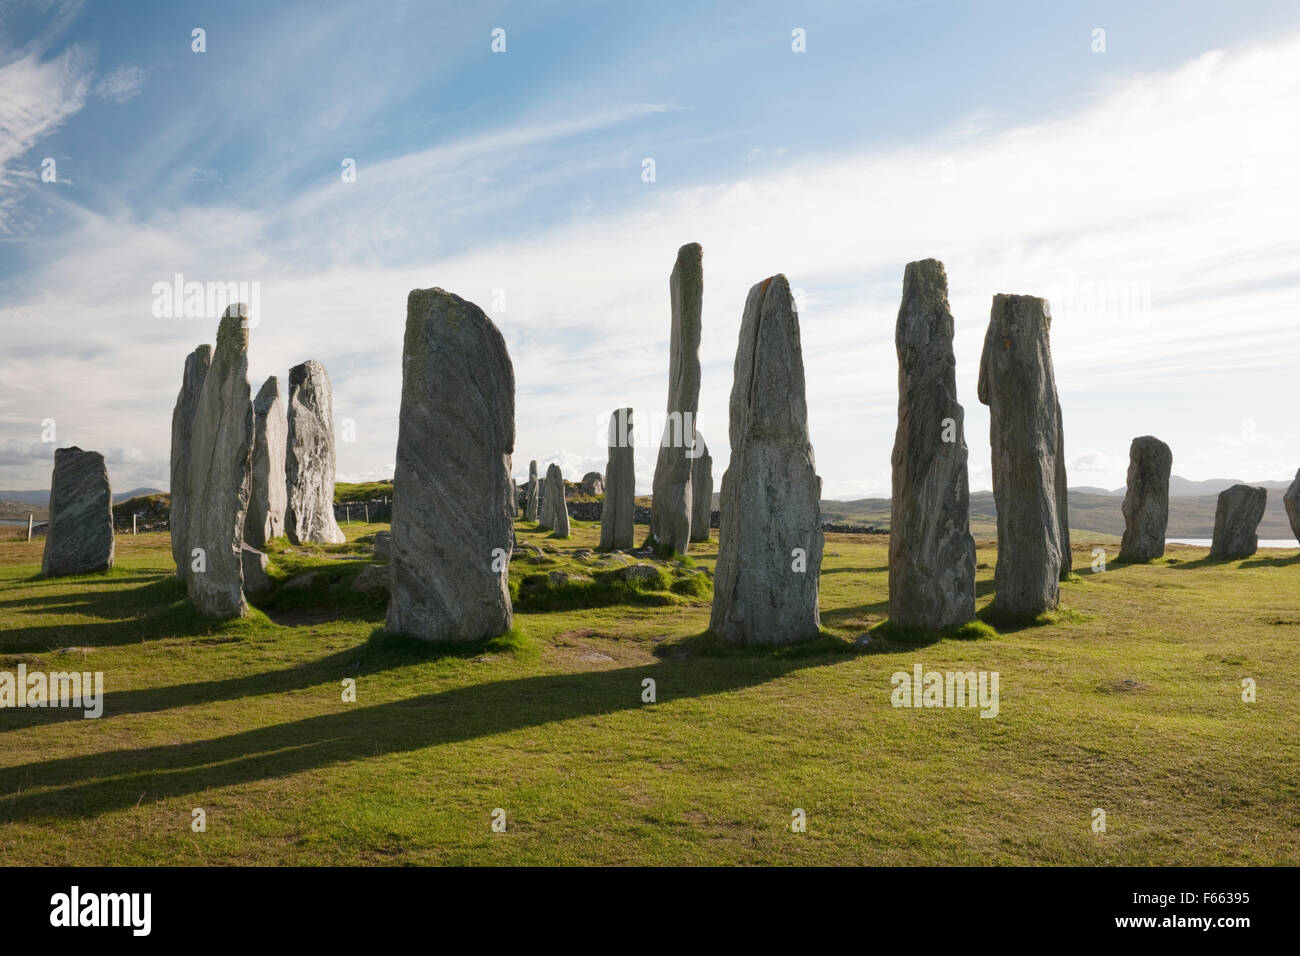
(236, 310)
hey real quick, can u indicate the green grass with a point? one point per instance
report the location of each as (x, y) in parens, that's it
(1128, 700)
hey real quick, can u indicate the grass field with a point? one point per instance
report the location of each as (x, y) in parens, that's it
(1130, 701)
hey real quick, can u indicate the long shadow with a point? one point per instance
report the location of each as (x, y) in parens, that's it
(826, 571)
(98, 783)
(1271, 562)
(52, 582)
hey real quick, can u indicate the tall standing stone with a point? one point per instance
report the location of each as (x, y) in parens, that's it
(701, 490)
(196, 369)
(1146, 500)
(770, 542)
(221, 468)
(555, 512)
(931, 551)
(1291, 501)
(1062, 493)
(1236, 521)
(1016, 382)
(618, 512)
(269, 495)
(310, 462)
(670, 509)
(454, 501)
(79, 530)
(531, 491)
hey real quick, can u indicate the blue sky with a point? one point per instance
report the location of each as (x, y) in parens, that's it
(990, 135)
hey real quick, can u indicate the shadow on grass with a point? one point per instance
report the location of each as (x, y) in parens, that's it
(1271, 562)
(86, 786)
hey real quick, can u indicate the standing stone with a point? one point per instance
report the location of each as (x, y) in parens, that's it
(1291, 501)
(1016, 382)
(269, 495)
(593, 483)
(221, 468)
(1236, 521)
(79, 530)
(670, 509)
(1062, 493)
(618, 511)
(555, 513)
(531, 493)
(196, 369)
(931, 551)
(309, 464)
(701, 490)
(454, 501)
(1146, 500)
(770, 542)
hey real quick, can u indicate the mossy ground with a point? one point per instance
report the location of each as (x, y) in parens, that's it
(1128, 700)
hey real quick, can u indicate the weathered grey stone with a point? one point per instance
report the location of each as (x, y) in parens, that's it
(221, 468)
(269, 497)
(531, 492)
(454, 502)
(383, 545)
(1291, 501)
(1146, 500)
(1017, 383)
(670, 509)
(593, 483)
(310, 462)
(253, 562)
(1062, 493)
(196, 369)
(770, 542)
(554, 511)
(374, 579)
(1236, 521)
(619, 508)
(640, 572)
(931, 551)
(79, 531)
(701, 489)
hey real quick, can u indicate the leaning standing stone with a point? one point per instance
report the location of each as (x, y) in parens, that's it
(555, 512)
(79, 531)
(531, 491)
(1146, 500)
(670, 509)
(701, 490)
(309, 464)
(618, 511)
(1016, 382)
(931, 551)
(187, 402)
(269, 498)
(221, 468)
(1236, 521)
(454, 501)
(1291, 501)
(770, 542)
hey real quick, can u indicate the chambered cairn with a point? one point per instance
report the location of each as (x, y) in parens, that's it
(770, 539)
(670, 510)
(79, 530)
(310, 462)
(454, 501)
(1236, 521)
(187, 402)
(269, 497)
(1146, 500)
(221, 466)
(554, 511)
(618, 510)
(931, 551)
(1016, 382)
(701, 489)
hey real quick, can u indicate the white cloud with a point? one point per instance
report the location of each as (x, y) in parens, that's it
(120, 85)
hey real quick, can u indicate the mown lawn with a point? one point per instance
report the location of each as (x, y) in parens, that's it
(1130, 701)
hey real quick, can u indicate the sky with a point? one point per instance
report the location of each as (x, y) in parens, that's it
(1135, 164)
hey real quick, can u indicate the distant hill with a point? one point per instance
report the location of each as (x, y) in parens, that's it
(42, 498)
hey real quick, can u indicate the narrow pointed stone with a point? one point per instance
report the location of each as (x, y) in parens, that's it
(187, 402)
(1236, 521)
(770, 542)
(701, 490)
(269, 496)
(931, 551)
(1017, 383)
(310, 461)
(618, 512)
(554, 510)
(454, 501)
(79, 530)
(670, 509)
(221, 468)
(531, 492)
(1146, 500)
